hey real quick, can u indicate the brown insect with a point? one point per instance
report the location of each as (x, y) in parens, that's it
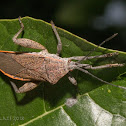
(42, 66)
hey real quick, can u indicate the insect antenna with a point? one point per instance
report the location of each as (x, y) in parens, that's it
(106, 40)
(85, 71)
(78, 65)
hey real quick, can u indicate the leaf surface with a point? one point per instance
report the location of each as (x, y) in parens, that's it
(97, 104)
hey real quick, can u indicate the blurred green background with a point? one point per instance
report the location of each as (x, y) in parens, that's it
(94, 20)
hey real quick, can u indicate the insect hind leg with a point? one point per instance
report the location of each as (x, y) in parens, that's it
(18, 33)
(25, 88)
(26, 42)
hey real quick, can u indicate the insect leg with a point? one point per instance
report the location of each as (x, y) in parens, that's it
(59, 46)
(99, 45)
(17, 34)
(104, 66)
(26, 42)
(26, 87)
(72, 79)
(92, 57)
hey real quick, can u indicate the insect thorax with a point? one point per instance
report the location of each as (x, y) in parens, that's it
(54, 67)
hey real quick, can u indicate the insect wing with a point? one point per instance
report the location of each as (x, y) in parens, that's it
(8, 65)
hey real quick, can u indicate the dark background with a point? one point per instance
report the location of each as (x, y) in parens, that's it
(94, 20)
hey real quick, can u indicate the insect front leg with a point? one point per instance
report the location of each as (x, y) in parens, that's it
(59, 46)
(80, 58)
(26, 42)
(103, 66)
(25, 88)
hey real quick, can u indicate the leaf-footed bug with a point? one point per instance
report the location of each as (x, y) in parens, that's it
(42, 66)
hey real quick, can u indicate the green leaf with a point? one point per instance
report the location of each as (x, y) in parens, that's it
(97, 103)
